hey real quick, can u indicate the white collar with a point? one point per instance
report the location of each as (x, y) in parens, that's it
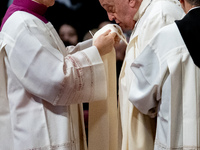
(141, 10)
(194, 8)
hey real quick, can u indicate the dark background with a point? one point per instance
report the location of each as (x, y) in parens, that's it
(85, 18)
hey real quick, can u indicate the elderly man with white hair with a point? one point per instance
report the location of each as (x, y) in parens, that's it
(145, 18)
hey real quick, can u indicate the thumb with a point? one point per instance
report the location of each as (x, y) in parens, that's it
(113, 34)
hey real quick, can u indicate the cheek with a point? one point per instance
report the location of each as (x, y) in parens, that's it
(125, 19)
(128, 24)
(122, 14)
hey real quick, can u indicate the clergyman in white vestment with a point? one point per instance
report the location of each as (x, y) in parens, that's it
(168, 82)
(42, 82)
(145, 18)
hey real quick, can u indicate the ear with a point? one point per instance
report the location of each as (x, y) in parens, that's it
(132, 3)
(181, 1)
(183, 5)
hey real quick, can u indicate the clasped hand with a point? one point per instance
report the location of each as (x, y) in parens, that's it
(106, 41)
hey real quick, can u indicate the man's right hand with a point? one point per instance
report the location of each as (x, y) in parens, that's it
(105, 42)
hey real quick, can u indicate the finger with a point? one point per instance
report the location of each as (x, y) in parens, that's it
(106, 33)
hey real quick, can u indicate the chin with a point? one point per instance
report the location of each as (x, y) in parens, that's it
(52, 3)
(125, 27)
(121, 25)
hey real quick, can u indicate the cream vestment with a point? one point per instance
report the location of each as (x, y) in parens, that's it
(103, 119)
(138, 130)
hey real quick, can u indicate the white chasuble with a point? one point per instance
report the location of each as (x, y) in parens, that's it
(138, 130)
(43, 84)
(103, 119)
(169, 84)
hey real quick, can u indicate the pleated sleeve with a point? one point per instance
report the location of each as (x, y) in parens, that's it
(45, 72)
(144, 92)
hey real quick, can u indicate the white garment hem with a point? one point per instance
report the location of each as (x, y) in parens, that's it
(160, 146)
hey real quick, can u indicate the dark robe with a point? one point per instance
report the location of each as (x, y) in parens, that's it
(189, 28)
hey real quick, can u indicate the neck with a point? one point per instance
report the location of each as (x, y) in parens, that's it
(187, 6)
(40, 2)
(36, 1)
(193, 8)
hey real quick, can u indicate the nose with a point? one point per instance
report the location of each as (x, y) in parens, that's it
(111, 16)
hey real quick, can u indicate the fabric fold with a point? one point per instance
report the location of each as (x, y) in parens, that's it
(103, 118)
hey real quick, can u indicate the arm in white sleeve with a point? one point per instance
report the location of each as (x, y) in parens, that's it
(46, 73)
(88, 77)
(80, 46)
(144, 91)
